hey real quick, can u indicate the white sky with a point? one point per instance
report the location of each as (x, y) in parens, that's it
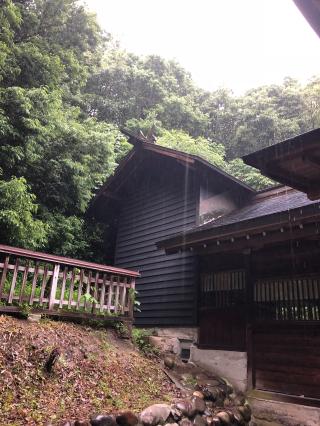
(238, 44)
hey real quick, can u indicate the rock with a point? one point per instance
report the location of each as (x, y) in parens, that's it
(214, 393)
(127, 418)
(198, 404)
(216, 421)
(239, 400)
(157, 413)
(224, 417)
(238, 418)
(186, 407)
(210, 404)
(102, 420)
(199, 421)
(165, 344)
(245, 412)
(81, 423)
(226, 388)
(187, 377)
(185, 422)
(169, 361)
(198, 394)
(201, 376)
(208, 382)
(228, 402)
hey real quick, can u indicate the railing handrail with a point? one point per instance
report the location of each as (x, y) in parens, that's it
(65, 260)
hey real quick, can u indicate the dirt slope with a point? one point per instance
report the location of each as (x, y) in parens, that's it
(96, 373)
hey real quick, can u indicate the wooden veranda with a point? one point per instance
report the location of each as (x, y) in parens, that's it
(55, 285)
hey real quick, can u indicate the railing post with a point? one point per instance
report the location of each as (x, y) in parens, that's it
(55, 277)
(131, 299)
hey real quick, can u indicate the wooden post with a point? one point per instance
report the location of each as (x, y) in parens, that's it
(131, 301)
(249, 316)
(55, 277)
(4, 274)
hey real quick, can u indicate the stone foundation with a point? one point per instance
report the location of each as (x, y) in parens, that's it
(228, 364)
(174, 339)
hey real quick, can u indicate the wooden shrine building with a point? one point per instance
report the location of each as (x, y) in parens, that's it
(234, 269)
(259, 273)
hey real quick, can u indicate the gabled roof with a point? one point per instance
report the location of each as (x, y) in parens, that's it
(276, 207)
(135, 159)
(294, 162)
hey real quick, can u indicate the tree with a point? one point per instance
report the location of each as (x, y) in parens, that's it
(18, 223)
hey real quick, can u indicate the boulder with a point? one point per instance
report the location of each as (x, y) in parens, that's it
(127, 418)
(245, 412)
(199, 421)
(102, 420)
(155, 414)
(186, 407)
(224, 417)
(185, 422)
(198, 404)
(165, 344)
(169, 361)
(198, 394)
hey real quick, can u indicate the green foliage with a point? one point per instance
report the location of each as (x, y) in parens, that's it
(248, 174)
(212, 152)
(133, 293)
(18, 223)
(65, 86)
(140, 338)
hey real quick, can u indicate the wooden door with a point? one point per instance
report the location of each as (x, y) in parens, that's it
(286, 336)
(222, 317)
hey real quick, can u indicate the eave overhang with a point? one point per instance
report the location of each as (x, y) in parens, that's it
(294, 162)
(297, 223)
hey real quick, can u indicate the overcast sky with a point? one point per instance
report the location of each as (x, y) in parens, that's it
(238, 44)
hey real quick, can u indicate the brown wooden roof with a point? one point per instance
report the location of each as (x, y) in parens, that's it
(272, 209)
(143, 150)
(294, 162)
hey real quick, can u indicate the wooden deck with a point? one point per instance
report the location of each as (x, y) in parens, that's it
(39, 282)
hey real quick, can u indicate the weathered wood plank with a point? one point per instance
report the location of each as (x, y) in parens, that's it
(80, 290)
(116, 301)
(123, 296)
(54, 285)
(110, 295)
(13, 282)
(34, 284)
(103, 292)
(73, 275)
(24, 280)
(43, 285)
(63, 285)
(95, 291)
(4, 274)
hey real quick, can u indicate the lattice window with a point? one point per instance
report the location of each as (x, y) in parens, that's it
(222, 289)
(288, 299)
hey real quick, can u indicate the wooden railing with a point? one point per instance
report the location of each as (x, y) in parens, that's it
(59, 285)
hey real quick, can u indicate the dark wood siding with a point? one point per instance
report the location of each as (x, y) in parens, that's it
(158, 208)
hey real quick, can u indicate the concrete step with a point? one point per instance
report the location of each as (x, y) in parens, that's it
(270, 412)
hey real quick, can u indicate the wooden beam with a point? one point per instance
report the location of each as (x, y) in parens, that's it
(283, 176)
(311, 160)
(212, 236)
(258, 241)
